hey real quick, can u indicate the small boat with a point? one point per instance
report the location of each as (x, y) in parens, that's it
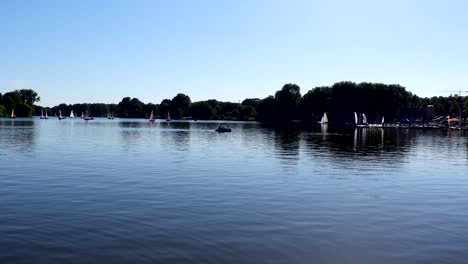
(324, 119)
(60, 117)
(110, 116)
(72, 115)
(152, 117)
(42, 114)
(168, 118)
(88, 117)
(222, 129)
(13, 115)
(46, 116)
(83, 115)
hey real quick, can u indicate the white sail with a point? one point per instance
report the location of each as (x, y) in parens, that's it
(12, 113)
(356, 118)
(42, 113)
(72, 115)
(46, 116)
(324, 119)
(364, 119)
(383, 119)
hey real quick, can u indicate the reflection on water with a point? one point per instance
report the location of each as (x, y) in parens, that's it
(287, 142)
(375, 136)
(126, 191)
(18, 135)
(324, 131)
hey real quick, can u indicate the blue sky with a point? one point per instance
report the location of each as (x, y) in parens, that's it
(101, 51)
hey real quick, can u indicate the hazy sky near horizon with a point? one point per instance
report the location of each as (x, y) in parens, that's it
(101, 51)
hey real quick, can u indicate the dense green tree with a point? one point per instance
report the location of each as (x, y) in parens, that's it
(123, 107)
(10, 100)
(23, 110)
(315, 102)
(202, 110)
(151, 107)
(251, 101)
(28, 96)
(247, 112)
(164, 108)
(266, 110)
(96, 109)
(287, 101)
(180, 106)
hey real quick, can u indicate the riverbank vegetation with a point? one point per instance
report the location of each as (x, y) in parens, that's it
(21, 101)
(340, 101)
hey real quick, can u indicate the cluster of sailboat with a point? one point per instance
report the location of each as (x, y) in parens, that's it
(60, 116)
(152, 117)
(360, 120)
(86, 116)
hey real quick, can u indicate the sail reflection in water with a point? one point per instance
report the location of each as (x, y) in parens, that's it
(368, 137)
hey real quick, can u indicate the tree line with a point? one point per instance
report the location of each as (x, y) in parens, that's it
(21, 101)
(179, 107)
(339, 101)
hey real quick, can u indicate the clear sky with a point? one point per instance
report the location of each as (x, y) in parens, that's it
(101, 51)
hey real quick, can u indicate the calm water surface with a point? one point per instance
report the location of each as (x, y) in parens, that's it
(128, 191)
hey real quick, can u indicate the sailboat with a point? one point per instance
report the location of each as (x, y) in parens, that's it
(72, 115)
(46, 116)
(168, 118)
(364, 119)
(60, 117)
(83, 115)
(152, 117)
(110, 116)
(88, 117)
(42, 114)
(324, 119)
(360, 122)
(378, 124)
(13, 115)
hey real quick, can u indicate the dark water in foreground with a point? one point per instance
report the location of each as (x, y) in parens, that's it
(127, 191)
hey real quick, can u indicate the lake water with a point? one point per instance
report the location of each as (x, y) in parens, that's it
(129, 191)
